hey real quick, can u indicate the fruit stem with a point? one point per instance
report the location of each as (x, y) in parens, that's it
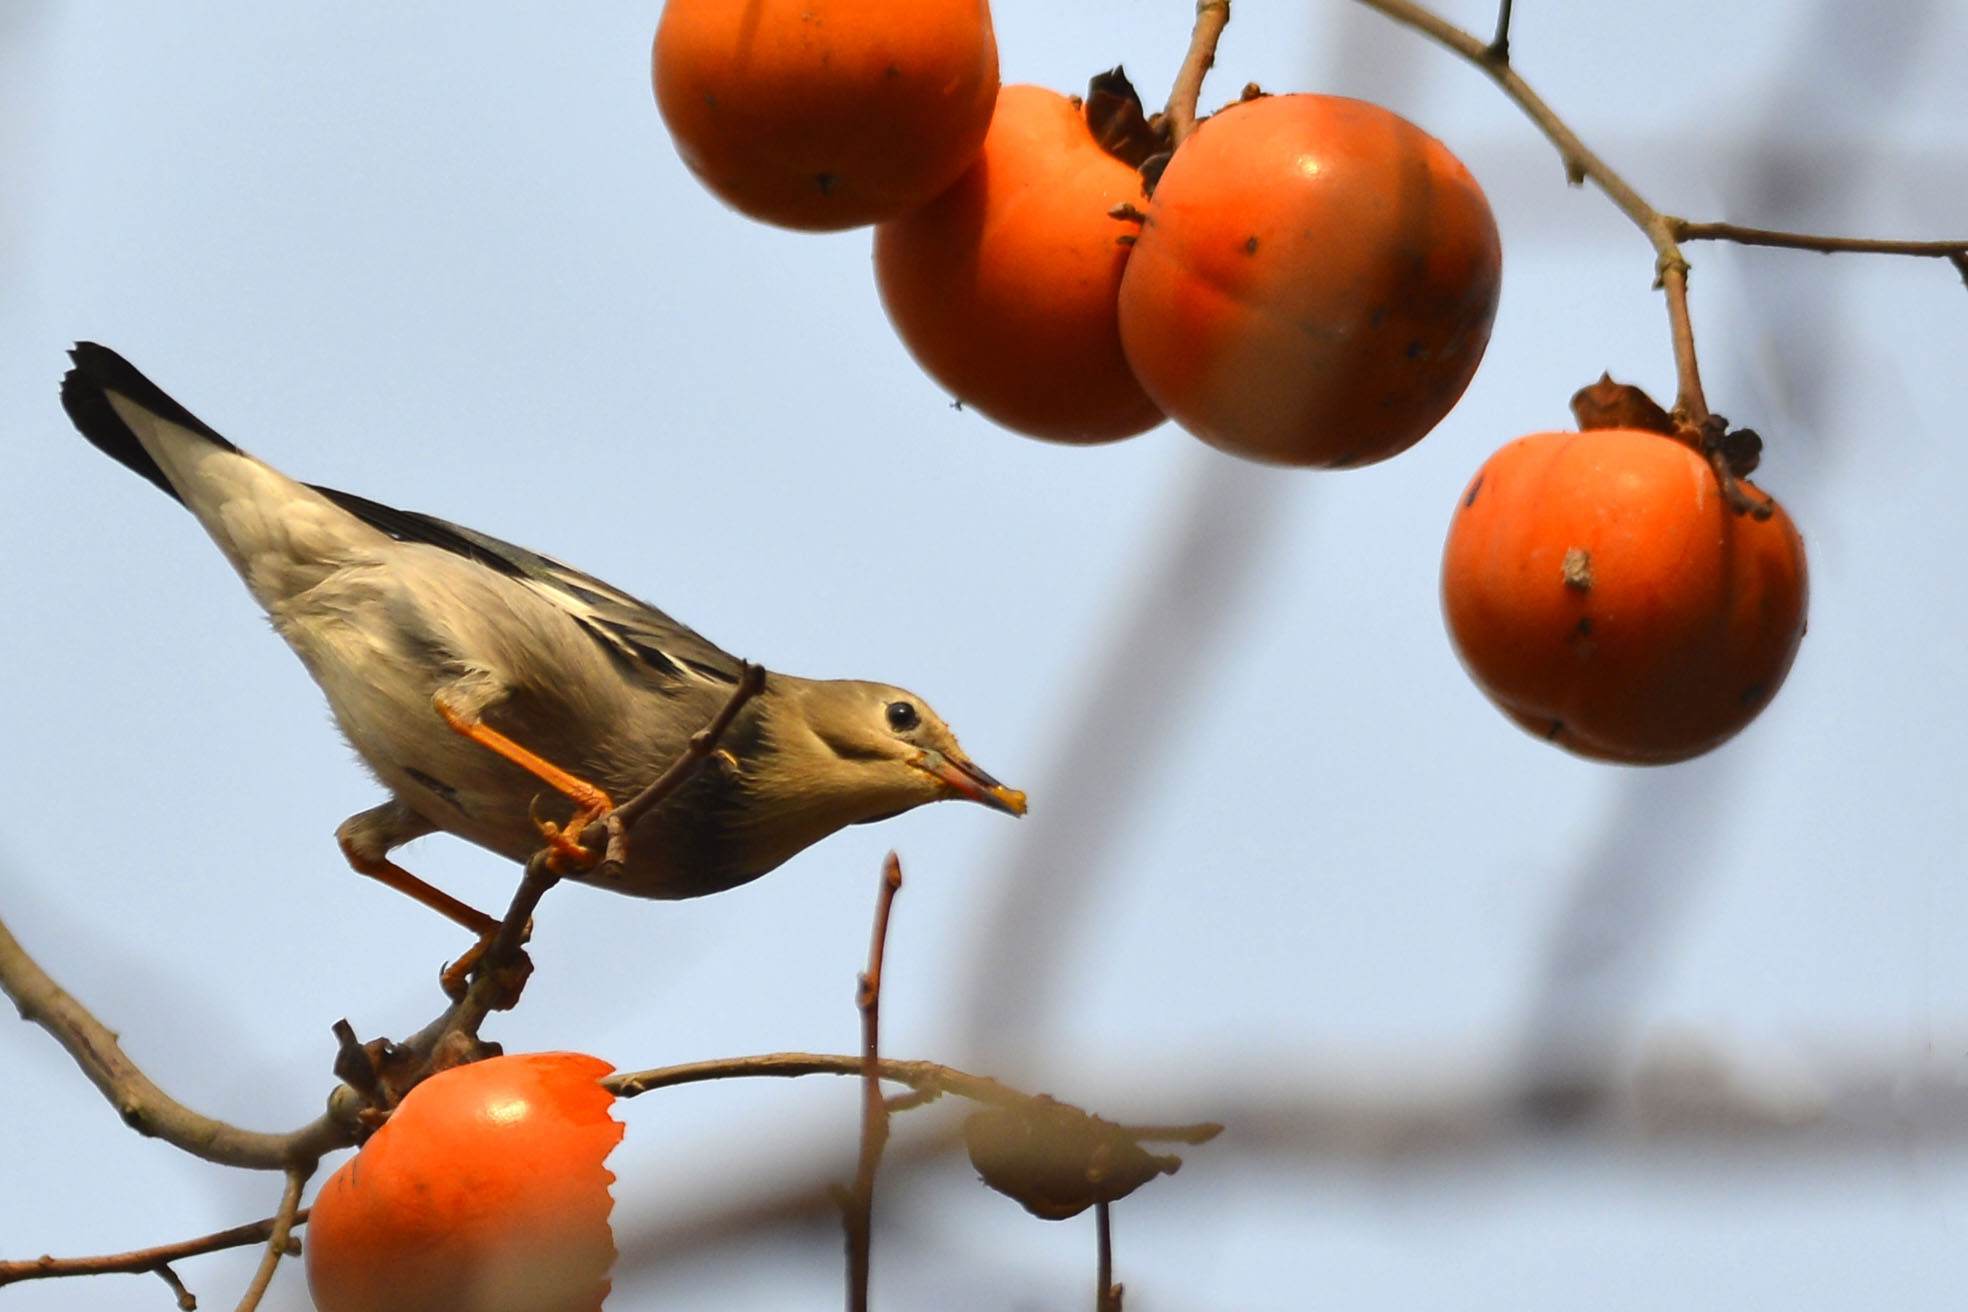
(1212, 16)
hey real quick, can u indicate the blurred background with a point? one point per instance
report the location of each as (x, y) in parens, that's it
(1491, 1027)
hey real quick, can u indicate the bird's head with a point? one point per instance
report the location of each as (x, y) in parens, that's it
(888, 747)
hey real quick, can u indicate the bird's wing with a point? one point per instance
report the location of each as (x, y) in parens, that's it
(633, 631)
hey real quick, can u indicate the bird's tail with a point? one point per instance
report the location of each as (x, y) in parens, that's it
(282, 536)
(85, 394)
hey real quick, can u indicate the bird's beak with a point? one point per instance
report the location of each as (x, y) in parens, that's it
(963, 778)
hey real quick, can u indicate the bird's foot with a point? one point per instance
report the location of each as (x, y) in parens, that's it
(509, 978)
(566, 851)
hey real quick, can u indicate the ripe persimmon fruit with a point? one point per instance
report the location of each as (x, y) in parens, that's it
(826, 114)
(1003, 288)
(1314, 284)
(485, 1191)
(1602, 592)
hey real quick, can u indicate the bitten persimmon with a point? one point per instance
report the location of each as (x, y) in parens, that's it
(1003, 288)
(826, 114)
(484, 1192)
(1601, 591)
(1314, 284)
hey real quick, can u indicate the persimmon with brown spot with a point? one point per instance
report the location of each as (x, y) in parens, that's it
(1003, 288)
(1601, 591)
(826, 114)
(485, 1191)
(1314, 284)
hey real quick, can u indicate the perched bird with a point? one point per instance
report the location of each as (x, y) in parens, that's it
(466, 671)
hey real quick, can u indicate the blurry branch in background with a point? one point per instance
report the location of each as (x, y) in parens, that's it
(1682, 1105)
(1611, 932)
(1180, 624)
(1664, 231)
(1637, 876)
(152, 1260)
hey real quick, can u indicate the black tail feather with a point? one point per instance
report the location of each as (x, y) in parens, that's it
(85, 392)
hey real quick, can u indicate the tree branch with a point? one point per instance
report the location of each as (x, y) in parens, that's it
(1664, 231)
(857, 1211)
(141, 1260)
(1107, 1294)
(1683, 230)
(143, 1106)
(277, 1238)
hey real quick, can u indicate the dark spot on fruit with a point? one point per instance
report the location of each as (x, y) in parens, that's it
(1250, 245)
(891, 71)
(1754, 694)
(1373, 320)
(1413, 351)
(1557, 727)
(1584, 627)
(1469, 498)
(1126, 239)
(826, 182)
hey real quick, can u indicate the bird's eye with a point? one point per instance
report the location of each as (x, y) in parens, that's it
(902, 716)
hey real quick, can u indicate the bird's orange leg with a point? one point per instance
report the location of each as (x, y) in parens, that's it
(387, 872)
(590, 802)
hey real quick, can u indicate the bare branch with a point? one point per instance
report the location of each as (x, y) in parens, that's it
(1499, 47)
(143, 1106)
(141, 1260)
(1684, 230)
(857, 1211)
(1107, 1294)
(278, 1237)
(614, 828)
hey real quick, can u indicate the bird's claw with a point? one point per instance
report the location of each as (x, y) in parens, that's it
(510, 977)
(566, 851)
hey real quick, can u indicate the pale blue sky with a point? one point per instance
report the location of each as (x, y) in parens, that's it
(451, 262)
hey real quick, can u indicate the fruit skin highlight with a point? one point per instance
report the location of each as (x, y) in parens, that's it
(1003, 288)
(1314, 284)
(485, 1191)
(826, 114)
(1602, 593)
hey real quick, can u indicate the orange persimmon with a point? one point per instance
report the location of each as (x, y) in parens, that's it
(826, 114)
(1003, 287)
(1604, 595)
(1314, 284)
(484, 1192)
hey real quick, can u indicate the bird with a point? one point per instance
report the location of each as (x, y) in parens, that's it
(465, 672)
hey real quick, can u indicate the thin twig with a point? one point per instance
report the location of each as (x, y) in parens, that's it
(613, 829)
(143, 1106)
(1107, 1294)
(1664, 231)
(1499, 47)
(926, 1077)
(140, 1260)
(282, 1231)
(858, 1214)
(1212, 16)
(1581, 164)
(1683, 230)
(187, 1301)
